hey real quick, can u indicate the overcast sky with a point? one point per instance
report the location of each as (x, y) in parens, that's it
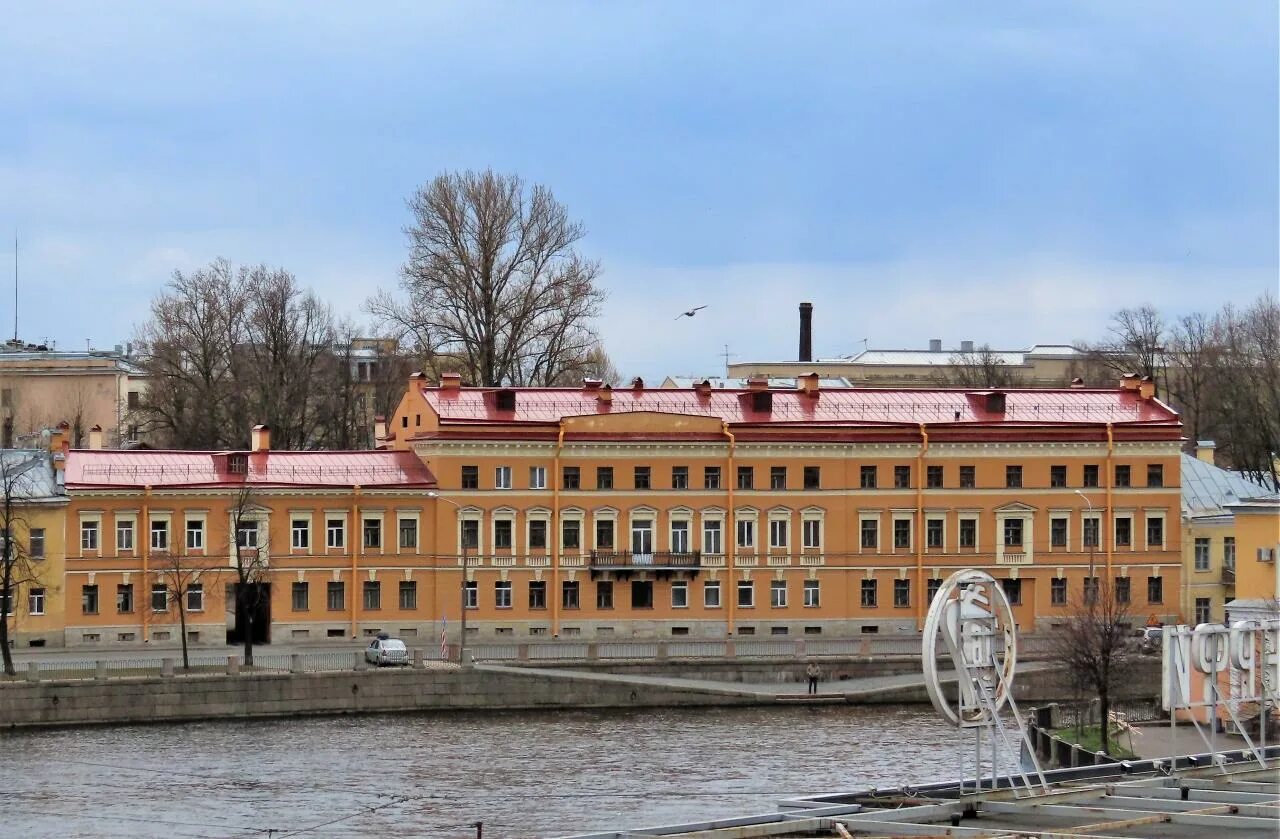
(1008, 173)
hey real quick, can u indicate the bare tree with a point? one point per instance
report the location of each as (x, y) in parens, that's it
(183, 575)
(493, 280)
(227, 347)
(250, 550)
(1094, 644)
(1136, 343)
(983, 367)
(21, 481)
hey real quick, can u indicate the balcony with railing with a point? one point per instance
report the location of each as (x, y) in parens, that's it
(630, 562)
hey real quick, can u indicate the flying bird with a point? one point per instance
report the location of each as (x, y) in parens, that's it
(690, 313)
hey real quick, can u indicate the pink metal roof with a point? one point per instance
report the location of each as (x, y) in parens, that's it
(845, 406)
(102, 468)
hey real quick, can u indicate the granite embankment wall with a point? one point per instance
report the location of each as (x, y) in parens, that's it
(159, 699)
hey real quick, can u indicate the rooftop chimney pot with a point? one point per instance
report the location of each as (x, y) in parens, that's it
(260, 438)
(1077, 382)
(703, 388)
(637, 383)
(448, 381)
(1129, 381)
(605, 395)
(758, 382)
(95, 437)
(809, 384)
(1205, 450)
(589, 383)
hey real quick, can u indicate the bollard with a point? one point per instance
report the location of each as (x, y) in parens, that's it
(33, 671)
(233, 665)
(361, 664)
(100, 671)
(295, 663)
(418, 663)
(166, 667)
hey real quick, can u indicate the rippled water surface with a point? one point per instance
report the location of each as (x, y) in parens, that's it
(433, 775)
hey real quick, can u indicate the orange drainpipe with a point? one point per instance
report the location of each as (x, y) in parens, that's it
(1107, 521)
(143, 601)
(920, 534)
(730, 533)
(555, 533)
(356, 542)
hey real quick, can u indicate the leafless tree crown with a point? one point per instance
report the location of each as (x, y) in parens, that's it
(494, 286)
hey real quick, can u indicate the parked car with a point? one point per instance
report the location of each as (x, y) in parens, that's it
(1150, 638)
(385, 650)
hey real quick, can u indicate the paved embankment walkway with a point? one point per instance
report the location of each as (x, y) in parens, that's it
(861, 689)
(1156, 740)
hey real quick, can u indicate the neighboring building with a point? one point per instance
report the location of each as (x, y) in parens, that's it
(31, 477)
(781, 383)
(1210, 543)
(597, 512)
(40, 388)
(1258, 559)
(343, 536)
(1043, 365)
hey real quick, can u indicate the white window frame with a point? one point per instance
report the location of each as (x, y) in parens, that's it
(160, 519)
(716, 518)
(909, 518)
(341, 518)
(870, 516)
(156, 588)
(745, 585)
(572, 515)
(532, 516)
(932, 517)
(537, 477)
(195, 590)
(681, 602)
(685, 526)
(132, 530)
(403, 516)
(36, 599)
(608, 514)
(814, 588)
(294, 530)
(186, 531)
(91, 524)
(1059, 514)
(815, 521)
(502, 477)
(976, 518)
(367, 518)
(779, 525)
(1164, 529)
(1208, 553)
(708, 587)
(751, 520)
(502, 586)
(1084, 541)
(508, 515)
(777, 594)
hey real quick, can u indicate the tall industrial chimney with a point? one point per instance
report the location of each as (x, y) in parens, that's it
(806, 332)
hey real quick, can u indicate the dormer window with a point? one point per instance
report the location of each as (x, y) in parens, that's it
(505, 400)
(238, 463)
(762, 401)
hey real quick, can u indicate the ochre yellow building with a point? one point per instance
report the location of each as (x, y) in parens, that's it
(37, 519)
(593, 513)
(339, 540)
(703, 512)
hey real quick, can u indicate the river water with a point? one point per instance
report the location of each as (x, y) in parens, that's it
(432, 775)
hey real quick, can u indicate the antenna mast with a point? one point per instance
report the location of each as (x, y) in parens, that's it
(15, 286)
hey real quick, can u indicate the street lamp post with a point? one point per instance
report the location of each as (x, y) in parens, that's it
(1090, 596)
(462, 638)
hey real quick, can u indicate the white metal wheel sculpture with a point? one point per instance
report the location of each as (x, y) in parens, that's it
(969, 613)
